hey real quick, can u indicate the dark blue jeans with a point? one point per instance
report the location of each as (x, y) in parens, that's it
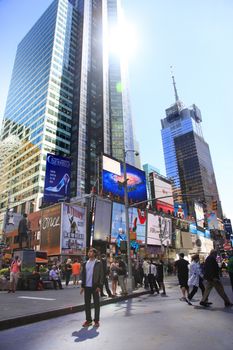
(88, 292)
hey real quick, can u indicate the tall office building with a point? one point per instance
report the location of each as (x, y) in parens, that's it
(187, 157)
(68, 96)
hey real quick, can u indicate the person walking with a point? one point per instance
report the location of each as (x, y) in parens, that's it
(23, 231)
(160, 275)
(54, 276)
(122, 275)
(76, 269)
(105, 281)
(151, 277)
(114, 276)
(181, 267)
(68, 271)
(195, 277)
(212, 277)
(92, 279)
(15, 269)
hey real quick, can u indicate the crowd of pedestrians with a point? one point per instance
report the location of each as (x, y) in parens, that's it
(93, 277)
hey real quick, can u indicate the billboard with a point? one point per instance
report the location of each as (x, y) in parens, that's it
(161, 190)
(199, 212)
(136, 224)
(113, 181)
(153, 230)
(212, 221)
(73, 236)
(159, 230)
(180, 210)
(57, 178)
(50, 230)
(102, 223)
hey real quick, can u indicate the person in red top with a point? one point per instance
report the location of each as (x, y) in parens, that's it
(76, 269)
(14, 274)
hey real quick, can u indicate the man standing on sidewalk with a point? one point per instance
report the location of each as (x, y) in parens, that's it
(92, 280)
(211, 274)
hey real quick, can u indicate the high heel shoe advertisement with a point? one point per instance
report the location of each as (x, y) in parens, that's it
(57, 178)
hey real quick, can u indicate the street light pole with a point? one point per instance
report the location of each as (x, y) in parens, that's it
(126, 200)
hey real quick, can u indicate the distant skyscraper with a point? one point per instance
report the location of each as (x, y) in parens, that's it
(187, 156)
(68, 96)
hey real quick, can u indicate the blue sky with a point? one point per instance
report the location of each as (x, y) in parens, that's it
(194, 36)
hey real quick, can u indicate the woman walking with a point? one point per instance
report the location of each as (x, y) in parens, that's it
(195, 277)
(114, 276)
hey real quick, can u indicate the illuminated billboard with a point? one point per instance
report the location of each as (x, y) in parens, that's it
(50, 230)
(113, 181)
(57, 179)
(73, 234)
(199, 212)
(136, 223)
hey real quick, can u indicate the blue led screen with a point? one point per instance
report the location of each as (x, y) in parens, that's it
(57, 179)
(136, 184)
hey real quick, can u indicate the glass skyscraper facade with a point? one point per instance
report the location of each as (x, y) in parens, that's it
(65, 98)
(187, 157)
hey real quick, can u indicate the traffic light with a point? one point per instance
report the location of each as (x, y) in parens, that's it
(214, 205)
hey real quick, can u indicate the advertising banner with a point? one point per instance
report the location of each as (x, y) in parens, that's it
(136, 223)
(13, 221)
(212, 221)
(159, 230)
(161, 187)
(50, 230)
(153, 230)
(73, 238)
(199, 214)
(102, 226)
(113, 182)
(180, 210)
(57, 179)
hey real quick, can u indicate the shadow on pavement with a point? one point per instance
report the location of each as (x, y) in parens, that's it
(84, 334)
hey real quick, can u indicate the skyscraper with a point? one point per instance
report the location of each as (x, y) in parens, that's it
(68, 96)
(187, 156)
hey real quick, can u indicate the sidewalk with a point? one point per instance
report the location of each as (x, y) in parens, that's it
(24, 307)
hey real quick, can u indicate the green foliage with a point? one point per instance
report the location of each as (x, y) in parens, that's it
(4, 271)
(28, 269)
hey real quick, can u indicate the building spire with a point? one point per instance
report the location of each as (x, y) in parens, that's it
(174, 84)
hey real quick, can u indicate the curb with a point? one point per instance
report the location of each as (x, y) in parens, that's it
(42, 316)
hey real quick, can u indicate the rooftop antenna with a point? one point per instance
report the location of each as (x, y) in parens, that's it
(174, 84)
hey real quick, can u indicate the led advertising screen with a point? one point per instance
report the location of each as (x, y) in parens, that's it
(137, 223)
(102, 224)
(57, 179)
(180, 210)
(113, 180)
(199, 214)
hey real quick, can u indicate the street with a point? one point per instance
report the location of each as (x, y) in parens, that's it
(146, 322)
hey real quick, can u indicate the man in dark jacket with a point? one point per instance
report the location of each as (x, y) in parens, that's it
(92, 280)
(23, 231)
(105, 280)
(213, 280)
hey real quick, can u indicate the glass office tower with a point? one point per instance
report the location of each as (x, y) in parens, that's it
(187, 157)
(65, 98)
